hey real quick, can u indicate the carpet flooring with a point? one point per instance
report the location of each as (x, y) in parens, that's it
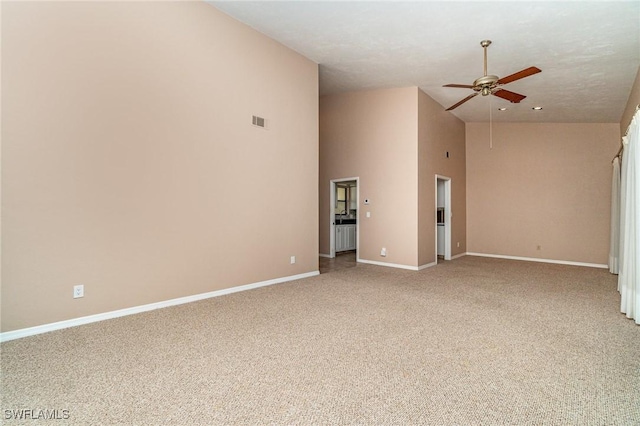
(473, 341)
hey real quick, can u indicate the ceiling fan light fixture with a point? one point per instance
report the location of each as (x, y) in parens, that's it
(486, 91)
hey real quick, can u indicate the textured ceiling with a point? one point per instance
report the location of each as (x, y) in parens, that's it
(589, 52)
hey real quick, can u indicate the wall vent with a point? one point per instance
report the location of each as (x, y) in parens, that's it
(259, 122)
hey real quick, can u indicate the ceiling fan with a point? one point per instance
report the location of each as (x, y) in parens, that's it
(490, 84)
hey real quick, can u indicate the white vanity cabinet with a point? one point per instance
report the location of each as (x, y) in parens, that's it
(345, 237)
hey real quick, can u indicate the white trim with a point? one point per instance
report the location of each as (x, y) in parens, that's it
(448, 223)
(534, 259)
(31, 331)
(325, 255)
(459, 255)
(428, 265)
(332, 215)
(391, 265)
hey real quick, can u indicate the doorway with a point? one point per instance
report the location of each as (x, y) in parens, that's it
(443, 217)
(344, 219)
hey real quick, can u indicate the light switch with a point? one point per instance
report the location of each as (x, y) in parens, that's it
(368, 214)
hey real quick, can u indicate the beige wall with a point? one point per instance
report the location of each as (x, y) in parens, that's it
(130, 164)
(632, 104)
(440, 132)
(373, 135)
(544, 185)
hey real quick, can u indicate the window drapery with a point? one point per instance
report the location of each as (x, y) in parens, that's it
(614, 246)
(629, 256)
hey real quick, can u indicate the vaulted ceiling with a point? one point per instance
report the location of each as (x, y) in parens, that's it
(589, 52)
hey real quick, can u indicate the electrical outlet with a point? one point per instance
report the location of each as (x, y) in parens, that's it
(293, 260)
(383, 252)
(78, 291)
(458, 243)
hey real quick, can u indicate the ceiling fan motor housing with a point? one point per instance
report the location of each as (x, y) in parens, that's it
(485, 84)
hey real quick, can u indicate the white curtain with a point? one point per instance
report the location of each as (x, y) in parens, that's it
(629, 277)
(614, 246)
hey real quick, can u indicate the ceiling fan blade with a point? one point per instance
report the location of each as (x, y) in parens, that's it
(461, 86)
(461, 102)
(510, 96)
(520, 74)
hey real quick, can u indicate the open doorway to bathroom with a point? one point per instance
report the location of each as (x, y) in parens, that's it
(344, 221)
(443, 218)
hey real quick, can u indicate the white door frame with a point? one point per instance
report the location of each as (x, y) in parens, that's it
(447, 216)
(332, 218)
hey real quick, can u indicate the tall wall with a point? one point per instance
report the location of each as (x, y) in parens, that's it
(373, 135)
(439, 133)
(543, 191)
(130, 164)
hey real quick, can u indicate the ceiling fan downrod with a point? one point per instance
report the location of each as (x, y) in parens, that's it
(487, 82)
(485, 44)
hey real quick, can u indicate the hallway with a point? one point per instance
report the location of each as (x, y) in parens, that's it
(341, 261)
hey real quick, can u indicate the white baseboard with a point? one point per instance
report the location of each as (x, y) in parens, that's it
(458, 255)
(31, 331)
(396, 265)
(535, 259)
(325, 255)
(390, 265)
(428, 265)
